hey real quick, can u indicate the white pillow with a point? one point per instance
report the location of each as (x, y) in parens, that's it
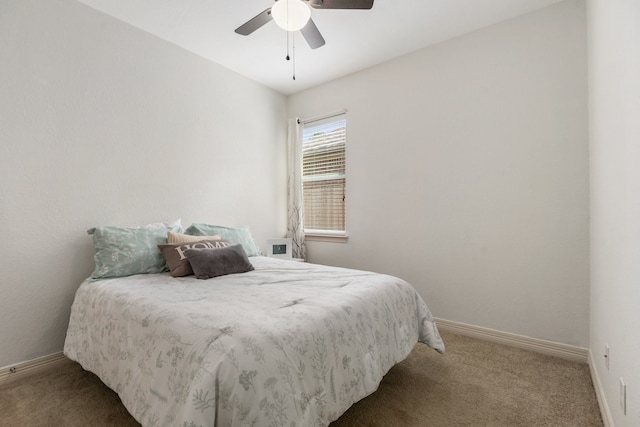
(186, 238)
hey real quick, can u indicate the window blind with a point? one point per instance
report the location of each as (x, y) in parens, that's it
(324, 176)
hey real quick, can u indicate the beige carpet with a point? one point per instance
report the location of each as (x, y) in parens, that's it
(475, 383)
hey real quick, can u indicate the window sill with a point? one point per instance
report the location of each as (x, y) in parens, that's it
(331, 238)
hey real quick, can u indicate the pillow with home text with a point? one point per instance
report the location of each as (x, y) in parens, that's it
(174, 254)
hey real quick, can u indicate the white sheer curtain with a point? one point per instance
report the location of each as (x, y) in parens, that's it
(295, 207)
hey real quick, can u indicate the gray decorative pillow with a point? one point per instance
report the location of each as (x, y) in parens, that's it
(208, 263)
(235, 235)
(174, 254)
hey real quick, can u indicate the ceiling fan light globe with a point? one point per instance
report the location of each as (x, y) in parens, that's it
(291, 15)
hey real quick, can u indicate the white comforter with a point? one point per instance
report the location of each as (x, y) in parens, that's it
(289, 344)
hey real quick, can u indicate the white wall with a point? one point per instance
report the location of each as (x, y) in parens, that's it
(468, 174)
(102, 124)
(614, 128)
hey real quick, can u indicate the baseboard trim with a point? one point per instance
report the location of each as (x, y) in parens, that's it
(602, 402)
(550, 348)
(22, 369)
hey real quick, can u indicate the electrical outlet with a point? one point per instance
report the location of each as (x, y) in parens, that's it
(623, 396)
(606, 356)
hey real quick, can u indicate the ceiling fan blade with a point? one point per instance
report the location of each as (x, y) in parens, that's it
(254, 23)
(341, 4)
(312, 35)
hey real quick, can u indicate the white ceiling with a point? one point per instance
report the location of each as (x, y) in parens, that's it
(355, 39)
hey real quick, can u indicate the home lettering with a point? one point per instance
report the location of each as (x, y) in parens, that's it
(200, 245)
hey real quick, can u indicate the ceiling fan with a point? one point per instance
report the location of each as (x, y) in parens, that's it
(295, 15)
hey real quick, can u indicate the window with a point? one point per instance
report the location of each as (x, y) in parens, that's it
(324, 176)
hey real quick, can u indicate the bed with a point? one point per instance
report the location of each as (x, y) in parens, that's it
(285, 344)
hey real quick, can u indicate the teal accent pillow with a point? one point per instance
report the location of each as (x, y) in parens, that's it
(234, 235)
(124, 251)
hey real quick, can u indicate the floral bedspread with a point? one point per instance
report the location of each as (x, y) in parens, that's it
(288, 344)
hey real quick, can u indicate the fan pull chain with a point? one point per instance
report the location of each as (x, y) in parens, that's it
(287, 31)
(287, 57)
(291, 49)
(293, 42)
